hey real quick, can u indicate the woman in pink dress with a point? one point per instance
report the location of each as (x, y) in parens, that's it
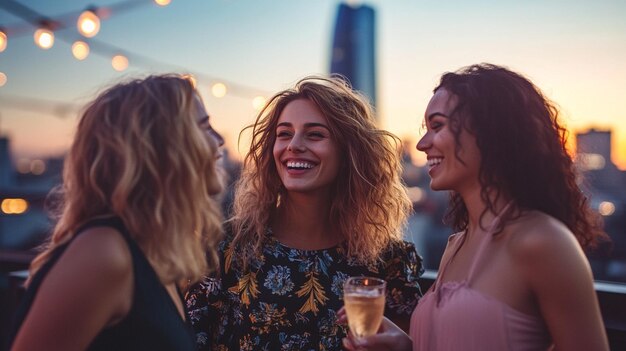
(514, 276)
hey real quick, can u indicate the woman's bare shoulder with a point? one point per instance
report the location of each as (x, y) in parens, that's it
(538, 238)
(104, 247)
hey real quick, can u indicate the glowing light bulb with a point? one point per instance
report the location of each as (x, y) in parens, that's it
(88, 24)
(44, 38)
(14, 206)
(119, 62)
(219, 90)
(3, 41)
(606, 208)
(80, 50)
(37, 167)
(23, 165)
(3, 79)
(258, 102)
(162, 2)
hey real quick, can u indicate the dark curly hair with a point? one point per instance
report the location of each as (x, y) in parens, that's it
(522, 147)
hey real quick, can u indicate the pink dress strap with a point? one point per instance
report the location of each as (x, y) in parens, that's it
(493, 226)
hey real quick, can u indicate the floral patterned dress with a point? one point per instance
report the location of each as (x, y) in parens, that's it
(287, 299)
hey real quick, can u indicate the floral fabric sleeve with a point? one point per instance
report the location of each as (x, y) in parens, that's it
(202, 301)
(402, 267)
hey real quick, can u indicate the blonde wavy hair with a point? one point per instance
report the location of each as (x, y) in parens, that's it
(139, 154)
(370, 206)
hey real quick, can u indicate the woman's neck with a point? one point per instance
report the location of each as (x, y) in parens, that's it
(479, 217)
(302, 222)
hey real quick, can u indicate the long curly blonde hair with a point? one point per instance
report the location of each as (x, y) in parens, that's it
(370, 204)
(139, 154)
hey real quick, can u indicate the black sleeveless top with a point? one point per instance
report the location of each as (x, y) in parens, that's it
(153, 321)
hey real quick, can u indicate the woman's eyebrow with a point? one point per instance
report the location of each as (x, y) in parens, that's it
(306, 125)
(435, 114)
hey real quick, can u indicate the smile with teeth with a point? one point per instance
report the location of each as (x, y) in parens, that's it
(434, 161)
(299, 165)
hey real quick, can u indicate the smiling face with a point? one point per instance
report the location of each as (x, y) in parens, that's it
(448, 168)
(307, 157)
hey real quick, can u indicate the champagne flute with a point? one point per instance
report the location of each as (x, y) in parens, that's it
(364, 299)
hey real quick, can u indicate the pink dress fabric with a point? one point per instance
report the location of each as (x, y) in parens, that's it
(454, 316)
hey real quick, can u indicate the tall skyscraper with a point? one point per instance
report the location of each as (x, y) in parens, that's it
(354, 49)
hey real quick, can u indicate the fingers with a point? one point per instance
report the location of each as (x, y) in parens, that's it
(341, 316)
(348, 345)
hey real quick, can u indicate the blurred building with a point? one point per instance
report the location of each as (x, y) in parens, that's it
(353, 54)
(593, 149)
(24, 188)
(605, 185)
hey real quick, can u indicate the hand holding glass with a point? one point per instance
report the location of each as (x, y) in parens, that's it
(364, 299)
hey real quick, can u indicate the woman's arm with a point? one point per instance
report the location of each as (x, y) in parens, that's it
(560, 277)
(88, 289)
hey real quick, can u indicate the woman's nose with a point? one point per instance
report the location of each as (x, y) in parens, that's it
(424, 143)
(218, 137)
(296, 145)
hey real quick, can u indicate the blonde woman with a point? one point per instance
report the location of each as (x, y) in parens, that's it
(137, 219)
(319, 200)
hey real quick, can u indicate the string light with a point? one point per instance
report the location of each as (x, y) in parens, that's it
(258, 102)
(44, 38)
(37, 167)
(219, 90)
(606, 208)
(3, 40)
(162, 2)
(88, 24)
(23, 166)
(119, 62)
(80, 50)
(14, 206)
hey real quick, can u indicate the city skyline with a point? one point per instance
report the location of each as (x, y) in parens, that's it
(575, 52)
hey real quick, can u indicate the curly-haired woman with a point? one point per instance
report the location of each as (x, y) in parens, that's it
(514, 276)
(319, 200)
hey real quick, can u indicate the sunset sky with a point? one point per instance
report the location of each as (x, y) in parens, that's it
(574, 50)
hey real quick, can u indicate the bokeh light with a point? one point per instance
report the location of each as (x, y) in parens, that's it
(37, 167)
(80, 50)
(23, 166)
(3, 79)
(162, 2)
(88, 24)
(14, 206)
(119, 62)
(44, 38)
(416, 194)
(3, 41)
(259, 102)
(219, 90)
(606, 208)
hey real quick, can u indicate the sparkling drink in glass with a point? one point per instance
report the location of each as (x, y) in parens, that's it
(364, 299)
